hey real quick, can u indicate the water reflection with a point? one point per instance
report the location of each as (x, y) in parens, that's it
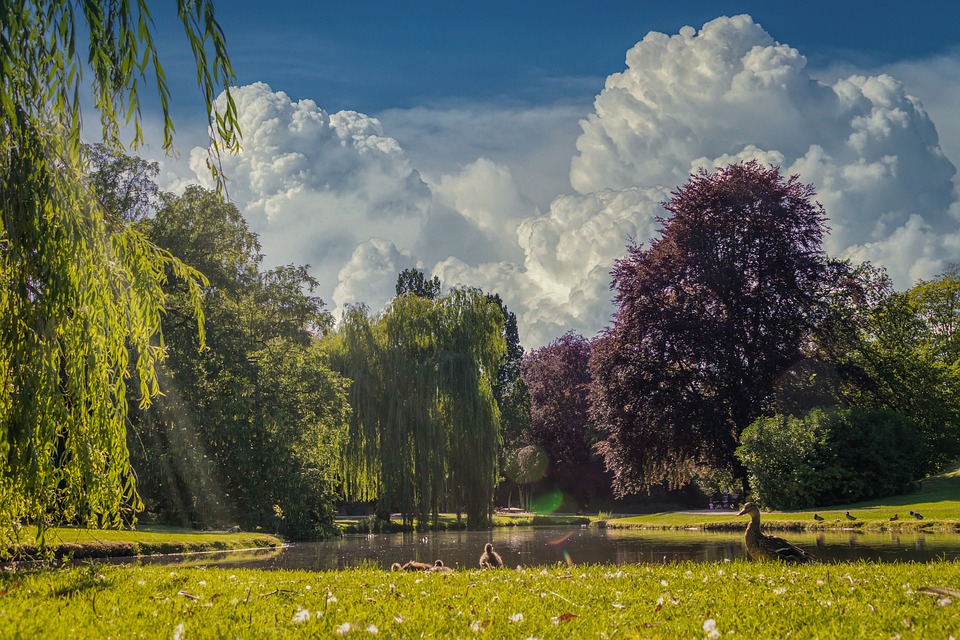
(588, 545)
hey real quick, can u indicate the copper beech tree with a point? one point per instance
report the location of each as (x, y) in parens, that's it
(709, 317)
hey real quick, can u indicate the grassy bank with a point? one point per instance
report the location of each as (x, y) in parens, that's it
(938, 500)
(742, 599)
(147, 540)
(449, 522)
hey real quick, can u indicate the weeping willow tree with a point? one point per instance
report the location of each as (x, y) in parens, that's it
(81, 297)
(425, 431)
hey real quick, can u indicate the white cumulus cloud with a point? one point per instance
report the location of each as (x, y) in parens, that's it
(315, 185)
(730, 92)
(338, 192)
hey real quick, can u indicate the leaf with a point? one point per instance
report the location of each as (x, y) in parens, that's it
(566, 617)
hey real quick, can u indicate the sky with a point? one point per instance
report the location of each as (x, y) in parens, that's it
(520, 146)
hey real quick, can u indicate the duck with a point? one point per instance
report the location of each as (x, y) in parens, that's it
(818, 517)
(413, 565)
(490, 558)
(850, 517)
(763, 547)
(895, 517)
(439, 567)
(916, 514)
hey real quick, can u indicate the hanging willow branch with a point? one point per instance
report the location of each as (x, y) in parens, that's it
(81, 292)
(426, 430)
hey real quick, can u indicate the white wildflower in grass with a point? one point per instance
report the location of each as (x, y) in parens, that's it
(555, 621)
(372, 628)
(178, 632)
(476, 627)
(664, 583)
(302, 615)
(617, 605)
(140, 583)
(517, 617)
(819, 583)
(202, 583)
(343, 629)
(331, 599)
(308, 587)
(710, 628)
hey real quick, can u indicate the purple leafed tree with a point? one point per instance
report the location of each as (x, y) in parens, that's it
(709, 317)
(557, 377)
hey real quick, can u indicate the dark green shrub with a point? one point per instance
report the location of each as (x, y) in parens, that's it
(830, 456)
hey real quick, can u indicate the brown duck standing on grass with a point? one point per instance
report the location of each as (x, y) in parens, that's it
(763, 547)
(490, 558)
(439, 567)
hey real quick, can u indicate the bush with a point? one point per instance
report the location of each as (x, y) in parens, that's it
(830, 456)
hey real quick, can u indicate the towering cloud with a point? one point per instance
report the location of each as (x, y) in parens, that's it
(730, 92)
(316, 185)
(336, 192)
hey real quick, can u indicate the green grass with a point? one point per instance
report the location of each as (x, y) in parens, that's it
(938, 499)
(633, 601)
(87, 543)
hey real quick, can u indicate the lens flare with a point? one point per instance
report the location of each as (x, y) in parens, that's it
(558, 541)
(547, 502)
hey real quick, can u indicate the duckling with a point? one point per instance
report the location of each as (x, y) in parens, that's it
(439, 567)
(895, 517)
(850, 517)
(763, 547)
(818, 517)
(490, 558)
(413, 565)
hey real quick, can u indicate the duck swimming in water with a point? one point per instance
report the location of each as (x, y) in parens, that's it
(763, 547)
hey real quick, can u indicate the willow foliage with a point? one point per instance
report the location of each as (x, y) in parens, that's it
(425, 434)
(82, 293)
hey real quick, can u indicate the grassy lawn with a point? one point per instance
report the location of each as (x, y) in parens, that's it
(144, 540)
(633, 601)
(938, 500)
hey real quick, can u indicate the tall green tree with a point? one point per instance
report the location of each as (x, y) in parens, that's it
(710, 316)
(251, 427)
(425, 431)
(81, 290)
(905, 361)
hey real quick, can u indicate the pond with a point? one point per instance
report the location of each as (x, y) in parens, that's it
(585, 545)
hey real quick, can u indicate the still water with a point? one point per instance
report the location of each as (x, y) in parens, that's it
(587, 545)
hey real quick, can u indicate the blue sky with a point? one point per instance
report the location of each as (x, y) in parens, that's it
(370, 56)
(519, 146)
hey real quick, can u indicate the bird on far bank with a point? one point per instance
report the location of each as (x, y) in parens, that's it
(763, 547)
(895, 517)
(818, 517)
(490, 558)
(916, 514)
(850, 517)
